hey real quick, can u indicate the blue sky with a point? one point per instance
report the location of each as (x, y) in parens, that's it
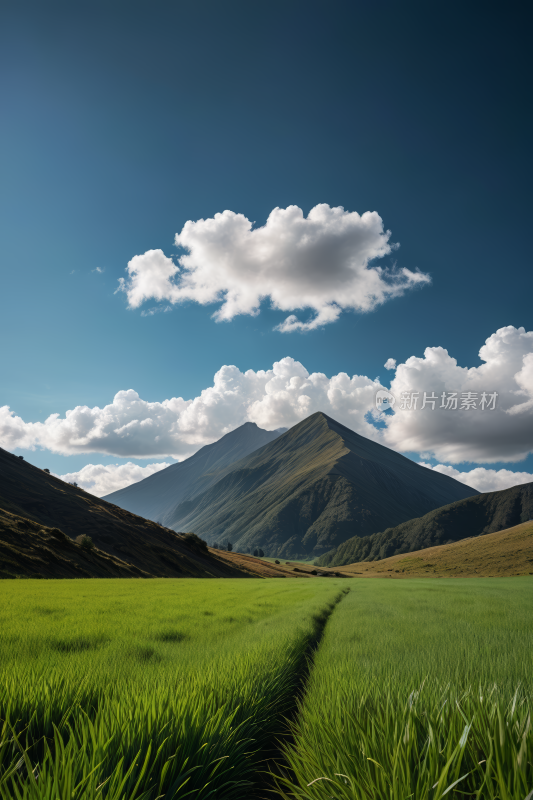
(122, 121)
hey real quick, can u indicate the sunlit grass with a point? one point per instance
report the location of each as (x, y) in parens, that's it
(418, 685)
(137, 690)
(141, 689)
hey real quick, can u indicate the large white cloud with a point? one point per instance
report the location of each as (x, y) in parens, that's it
(102, 479)
(320, 262)
(484, 480)
(134, 428)
(131, 427)
(476, 435)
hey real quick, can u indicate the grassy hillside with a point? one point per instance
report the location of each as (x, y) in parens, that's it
(28, 492)
(311, 489)
(155, 496)
(495, 555)
(31, 550)
(274, 568)
(485, 513)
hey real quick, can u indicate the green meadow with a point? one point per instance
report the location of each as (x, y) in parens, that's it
(143, 689)
(138, 690)
(420, 689)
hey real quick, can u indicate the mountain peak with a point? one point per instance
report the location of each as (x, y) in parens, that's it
(156, 495)
(308, 489)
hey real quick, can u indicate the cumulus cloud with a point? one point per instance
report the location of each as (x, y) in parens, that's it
(390, 363)
(134, 428)
(130, 427)
(102, 479)
(321, 262)
(484, 480)
(450, 435)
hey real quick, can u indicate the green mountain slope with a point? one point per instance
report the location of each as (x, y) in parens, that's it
(310, 489)
(30, 550)
(154, 497)
(485, 513)
(31, 493)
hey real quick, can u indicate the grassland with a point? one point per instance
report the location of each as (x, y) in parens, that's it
(268, 568)
(144, 689)
(498, 555)
(420, 689)
(138, 690)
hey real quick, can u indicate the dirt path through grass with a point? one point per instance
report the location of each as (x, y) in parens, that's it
(273, 762)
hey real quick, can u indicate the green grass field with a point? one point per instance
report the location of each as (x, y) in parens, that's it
(137, 690)
(143, 689)
(420, 689)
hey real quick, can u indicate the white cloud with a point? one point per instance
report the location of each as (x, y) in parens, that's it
(99, 269)
(390, 363)
(102, 479)
(484, 480)
(319, 262)
(455, 436)
(524, 379)
(130, 427)
(149, 312)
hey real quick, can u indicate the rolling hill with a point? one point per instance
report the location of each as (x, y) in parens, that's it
(475, 516)
(501, 554)
(156, 496)
(309, 490)
(29, 493)
(31, 550)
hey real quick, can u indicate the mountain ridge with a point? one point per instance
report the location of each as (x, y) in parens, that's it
(309, 489)
(503, 553)
(38, 497)
(31, 550)
(155, 496)
(474, 516)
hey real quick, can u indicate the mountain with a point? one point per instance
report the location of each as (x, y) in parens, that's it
(30, 550)
(505, 553)
(36, 496)
(156, 496)
(475, 516)
(310, 489)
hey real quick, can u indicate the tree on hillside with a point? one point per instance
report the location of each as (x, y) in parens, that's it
(256, 552)
(85, 541)
(229, 546)
(260, 553)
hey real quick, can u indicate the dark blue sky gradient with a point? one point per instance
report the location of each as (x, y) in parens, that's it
(122, 120)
